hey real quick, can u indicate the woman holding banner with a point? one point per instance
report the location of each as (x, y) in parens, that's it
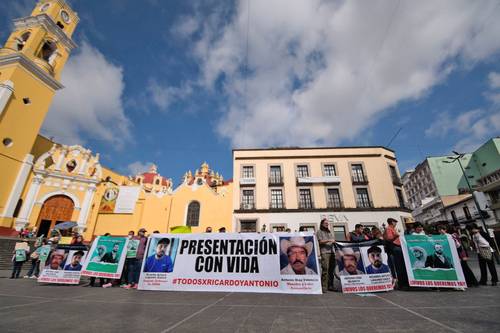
(393, 249)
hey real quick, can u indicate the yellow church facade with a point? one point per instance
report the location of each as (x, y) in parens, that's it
(45, 183)
(31, 62)
(68, 184)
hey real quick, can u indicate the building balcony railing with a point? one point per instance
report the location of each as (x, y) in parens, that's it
(334, 204)
(275, 181)
(359, 180)
(247, 206)
(364, 204)
(247, 181)
(277, 206)
(318, 180)
(306, 205)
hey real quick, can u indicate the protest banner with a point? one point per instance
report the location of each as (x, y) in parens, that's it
(243, 262)
(362, 267)
(432, 261)
(106, 257)
(133, 245)
(64, 264)
(20, 255)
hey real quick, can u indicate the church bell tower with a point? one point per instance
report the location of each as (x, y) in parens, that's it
(31, 62)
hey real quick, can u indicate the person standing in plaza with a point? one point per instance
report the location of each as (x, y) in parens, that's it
(35, 261)
(469, 276)
(393, 249)
(419, 229)
(19, 257)
(326, 240)
(357, 235)
(485, 255)
(129, 262)
(135, 268)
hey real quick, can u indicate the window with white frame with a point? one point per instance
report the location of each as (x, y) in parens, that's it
(277, 198)
(247, 171)
(275, 174)
(362, 198)
(305, 198)
(329, 170)
(302, 170)
(247, 199)
(334, 198)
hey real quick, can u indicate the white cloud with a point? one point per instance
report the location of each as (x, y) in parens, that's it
(91, 104)
(321, 71)
(162, 96)
(138, 167)
(475, 127)
(494, 79)
(494, 84)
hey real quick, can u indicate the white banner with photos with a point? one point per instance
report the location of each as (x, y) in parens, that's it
(243, 262)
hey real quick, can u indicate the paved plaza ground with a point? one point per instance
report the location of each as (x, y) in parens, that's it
(26, 306)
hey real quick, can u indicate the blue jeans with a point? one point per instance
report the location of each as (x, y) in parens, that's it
(16, 270)
(34, 270)
(134, 270)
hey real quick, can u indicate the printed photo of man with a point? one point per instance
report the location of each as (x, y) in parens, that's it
(349, 259)
(101, 251)
(112, 257)
(420, 257)
(75, 264)
(376, 265)
(56, 260)
(159, 262)
(297, 251)
(438, 259)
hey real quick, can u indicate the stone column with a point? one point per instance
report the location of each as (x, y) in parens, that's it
(85, 208)
(85, 161)
(60, 160)
(25, 213)
(6, 90)
(15, 194)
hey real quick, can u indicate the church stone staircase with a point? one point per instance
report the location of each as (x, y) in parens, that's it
(7, 245)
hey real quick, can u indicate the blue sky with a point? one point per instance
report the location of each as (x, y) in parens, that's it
(181, 82)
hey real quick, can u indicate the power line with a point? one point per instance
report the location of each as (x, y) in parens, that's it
(394, 137)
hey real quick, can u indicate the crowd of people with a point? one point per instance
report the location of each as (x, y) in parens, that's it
(389, 237)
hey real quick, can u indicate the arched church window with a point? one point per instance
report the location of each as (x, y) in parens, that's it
(48, 51)
(193, 214)
(21, 41)
(157, 182)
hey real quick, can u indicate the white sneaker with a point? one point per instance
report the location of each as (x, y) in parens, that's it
(33, 277)
(26, 277)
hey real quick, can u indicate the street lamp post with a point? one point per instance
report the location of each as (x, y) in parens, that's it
(455, 159)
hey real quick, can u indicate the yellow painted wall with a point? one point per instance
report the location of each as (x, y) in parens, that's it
(215, 209)
(20, 122)
(161, 213)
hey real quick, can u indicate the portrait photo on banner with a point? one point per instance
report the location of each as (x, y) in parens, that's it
(431, 257)
(374, 259)
(74, 260)
(298, 256)
(160, 255)
(350, 261)
(106, 254)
